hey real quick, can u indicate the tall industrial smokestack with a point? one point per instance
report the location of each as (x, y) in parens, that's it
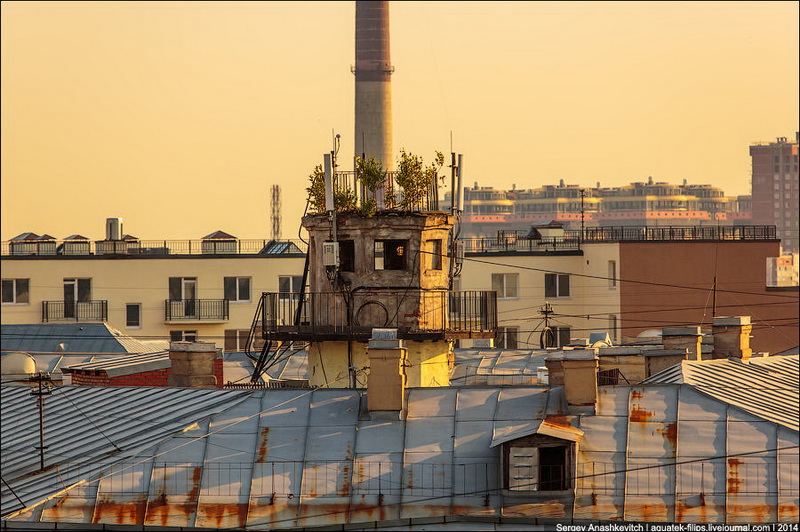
(373, 69)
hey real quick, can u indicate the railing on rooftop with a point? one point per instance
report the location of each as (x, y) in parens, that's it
(427, 202)
(710, 232)
(519, 244)
(77, 311)
(196, 309)
(139, 248)
(415, 313)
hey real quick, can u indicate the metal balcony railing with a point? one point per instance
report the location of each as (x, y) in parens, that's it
(74, 311)
(196, 309)
(415, 313)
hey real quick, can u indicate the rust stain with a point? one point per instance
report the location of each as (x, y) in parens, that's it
(216, 513)
(262, 445)
(410, 483)
(107, 510)
(734, 482)
(344, 490)
(788, 512)
(558, 420)
(757, 513)
(197, 475)
(636, 394)
(670, 433)
(639, 415)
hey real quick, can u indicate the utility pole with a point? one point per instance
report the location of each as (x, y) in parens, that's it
(44, 382)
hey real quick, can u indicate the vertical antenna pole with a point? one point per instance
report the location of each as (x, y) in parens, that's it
(714, 299)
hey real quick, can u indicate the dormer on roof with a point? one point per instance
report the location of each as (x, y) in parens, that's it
(75, 245)
(219, 242)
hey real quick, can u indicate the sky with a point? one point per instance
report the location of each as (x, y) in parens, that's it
(179, 117)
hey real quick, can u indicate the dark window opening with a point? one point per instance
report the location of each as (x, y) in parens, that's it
(390, 254)
(552, 468)
(347, 255)
(133, 315)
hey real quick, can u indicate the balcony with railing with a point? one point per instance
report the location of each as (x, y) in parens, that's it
(196, 310)
(416, 314)
(78, 311)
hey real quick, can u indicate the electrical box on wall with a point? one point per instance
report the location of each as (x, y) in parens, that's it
(330, 254)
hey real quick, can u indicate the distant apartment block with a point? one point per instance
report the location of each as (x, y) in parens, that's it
(775, 188)
(653, 204)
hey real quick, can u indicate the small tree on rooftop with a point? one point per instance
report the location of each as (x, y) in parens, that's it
(415, 179)
(372, 175)
(316, 190)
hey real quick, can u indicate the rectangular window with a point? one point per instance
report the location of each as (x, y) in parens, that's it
(289, 284)
(236, 340)
(237, 289)
(506, 337)
(435, 251)
(76, 291)
(183, 336)
(612, 274)
(505, 284)
(542, 468)
(15, 291)
(556, 285)
(390, 254)
(133, 315)
(182, 288)
(347, 255)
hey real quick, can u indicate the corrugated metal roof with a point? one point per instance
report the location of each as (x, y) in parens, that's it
(89, 428)
(125, 364)
(77, 338)
(286, 458)
(764, 387)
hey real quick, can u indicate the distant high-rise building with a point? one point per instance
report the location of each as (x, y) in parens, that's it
(775, 188)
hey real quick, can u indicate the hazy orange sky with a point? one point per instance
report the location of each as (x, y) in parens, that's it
(180, 116)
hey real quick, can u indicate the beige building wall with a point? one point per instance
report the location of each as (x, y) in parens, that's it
(596, 297)
(146, 281)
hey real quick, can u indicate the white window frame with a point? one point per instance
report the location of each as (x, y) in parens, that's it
(184, 335)
(558, 284)
(502, 335)
(14, 283)
(237, 287)
(504, 285)
(127, 326)
(295, 284)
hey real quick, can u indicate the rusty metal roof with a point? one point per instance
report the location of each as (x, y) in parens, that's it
(764, 387)
(283, 458)
(89, 428)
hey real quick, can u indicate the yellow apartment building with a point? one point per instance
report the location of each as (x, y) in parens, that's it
(206, 290)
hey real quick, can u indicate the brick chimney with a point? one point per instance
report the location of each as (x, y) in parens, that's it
(577, 370)
(689, 338)
(386, 386)
(192, 364)
(732, 337)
